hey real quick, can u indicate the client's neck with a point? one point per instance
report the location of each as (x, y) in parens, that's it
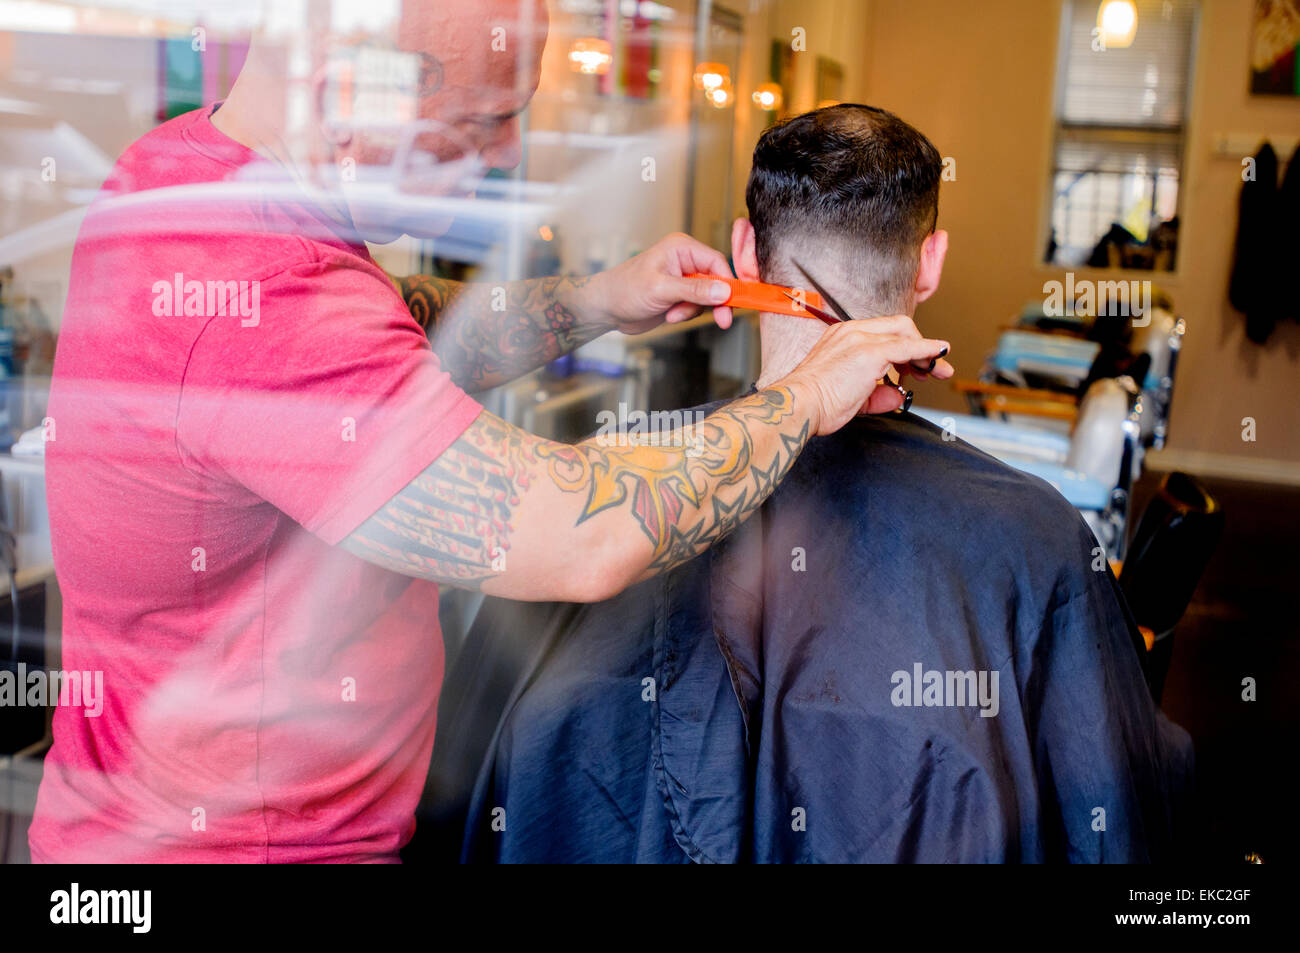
(786, 342)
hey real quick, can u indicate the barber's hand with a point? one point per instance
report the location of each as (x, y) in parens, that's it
(652, 288)
(841, 374)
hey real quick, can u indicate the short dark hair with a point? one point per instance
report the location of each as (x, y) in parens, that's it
(856, 175)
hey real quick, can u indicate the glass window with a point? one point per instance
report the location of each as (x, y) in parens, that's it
(1120, 125)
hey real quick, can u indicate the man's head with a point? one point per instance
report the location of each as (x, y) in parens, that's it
(851, 193)
(429, 100)
(487, 57)
(480, 65)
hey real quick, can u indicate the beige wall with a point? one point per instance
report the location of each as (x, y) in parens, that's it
(978, 79)
(836, 29)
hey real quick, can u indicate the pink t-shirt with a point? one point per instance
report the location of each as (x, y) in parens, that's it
(237, 388)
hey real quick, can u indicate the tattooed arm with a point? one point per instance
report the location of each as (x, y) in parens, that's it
(488, 334)
(527, 518)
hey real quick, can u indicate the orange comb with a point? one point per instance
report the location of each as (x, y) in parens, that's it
(774, 299)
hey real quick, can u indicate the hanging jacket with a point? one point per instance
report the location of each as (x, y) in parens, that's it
(1256, 278)
(1289, 235)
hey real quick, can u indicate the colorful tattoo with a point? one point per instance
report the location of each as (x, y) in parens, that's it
(453, 522)
(658, 483)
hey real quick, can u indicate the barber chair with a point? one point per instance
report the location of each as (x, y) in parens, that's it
(1077, 404)
(1174, 541)
(1043, 360)
(1036, 377)
(1094, 468)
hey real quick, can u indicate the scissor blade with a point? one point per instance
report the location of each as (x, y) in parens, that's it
(817, 313)
(826, 295)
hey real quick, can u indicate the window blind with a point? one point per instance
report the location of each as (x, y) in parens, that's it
(1145, 84)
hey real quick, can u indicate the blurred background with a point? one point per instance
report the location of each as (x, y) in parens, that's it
(1124, 162)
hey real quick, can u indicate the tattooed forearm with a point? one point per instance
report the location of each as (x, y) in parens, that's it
(488, 334)
(453, 522)
(499, 488)
(716, 473)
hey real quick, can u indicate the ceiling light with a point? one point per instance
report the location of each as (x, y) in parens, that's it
(1118, 22)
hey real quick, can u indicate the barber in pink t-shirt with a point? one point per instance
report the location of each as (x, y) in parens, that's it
(263, 470)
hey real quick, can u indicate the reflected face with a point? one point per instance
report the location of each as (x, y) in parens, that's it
(479, 66)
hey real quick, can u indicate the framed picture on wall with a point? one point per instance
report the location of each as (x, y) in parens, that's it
(782, 69)
(1275, 48)
(830, 82)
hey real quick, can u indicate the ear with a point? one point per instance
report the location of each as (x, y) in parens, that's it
(933, 253)
(744, 250)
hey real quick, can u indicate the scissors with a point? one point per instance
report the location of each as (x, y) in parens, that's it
(843, 315)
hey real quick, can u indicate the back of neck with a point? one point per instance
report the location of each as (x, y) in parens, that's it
(786, 342)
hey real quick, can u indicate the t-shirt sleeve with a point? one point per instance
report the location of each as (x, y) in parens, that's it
(325, 403)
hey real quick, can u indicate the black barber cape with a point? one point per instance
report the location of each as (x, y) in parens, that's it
(906, 655)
